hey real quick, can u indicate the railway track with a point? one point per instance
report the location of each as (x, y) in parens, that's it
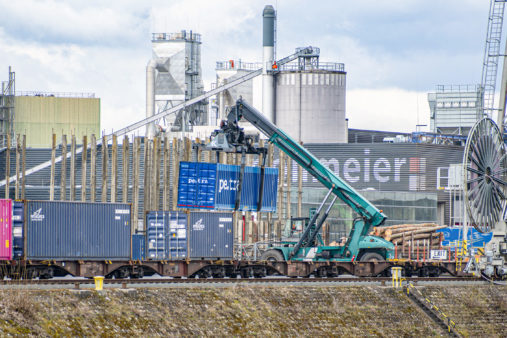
(125, 283)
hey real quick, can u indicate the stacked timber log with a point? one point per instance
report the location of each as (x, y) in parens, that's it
(411, 238)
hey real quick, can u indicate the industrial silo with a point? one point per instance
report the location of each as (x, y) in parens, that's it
(174, 75)
(310, 101)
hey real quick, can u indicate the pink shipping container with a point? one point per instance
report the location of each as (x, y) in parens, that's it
(5, 229)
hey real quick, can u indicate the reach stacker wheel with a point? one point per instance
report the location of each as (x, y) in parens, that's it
(371, 257)
(272, 256)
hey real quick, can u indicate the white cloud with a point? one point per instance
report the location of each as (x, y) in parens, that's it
(103, 47)
(85, 22)
(389, 109)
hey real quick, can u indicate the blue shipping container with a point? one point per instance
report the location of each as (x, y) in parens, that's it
(215, 186)
(76, 230)
(475, 238)
(138, 247)
(18, 220)
(196, 185)
(227, 185)
(167, 235)
(211, 235)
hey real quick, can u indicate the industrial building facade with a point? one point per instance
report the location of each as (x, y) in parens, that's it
(38, 116)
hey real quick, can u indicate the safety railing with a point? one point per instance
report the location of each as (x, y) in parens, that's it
(55, 94)
(328, 66)
(238, 65)
(457, 88)
(183, 35)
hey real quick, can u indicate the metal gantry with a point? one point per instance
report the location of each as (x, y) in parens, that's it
(491, 54)
(7, 99)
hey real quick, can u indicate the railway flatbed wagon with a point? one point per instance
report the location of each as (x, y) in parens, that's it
(43, 269)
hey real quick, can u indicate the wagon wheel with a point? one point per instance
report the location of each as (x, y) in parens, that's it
(484, 171)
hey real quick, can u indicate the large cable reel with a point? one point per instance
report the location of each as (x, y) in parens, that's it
(485, 179)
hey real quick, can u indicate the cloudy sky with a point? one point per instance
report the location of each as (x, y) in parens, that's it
(395, 51)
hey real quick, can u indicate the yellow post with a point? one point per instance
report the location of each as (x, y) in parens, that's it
(99, 283)
(396, 275)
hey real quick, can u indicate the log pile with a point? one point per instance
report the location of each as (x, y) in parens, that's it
(410, 237)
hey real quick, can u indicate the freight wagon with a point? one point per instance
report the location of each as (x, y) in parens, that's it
(45, 239)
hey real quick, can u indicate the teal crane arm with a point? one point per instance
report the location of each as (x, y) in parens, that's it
(370, 214)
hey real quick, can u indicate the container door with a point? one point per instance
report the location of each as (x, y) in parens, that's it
(156, 231)
(250, 189)
(196, 185)
(226, 186)
(5, 229)
(224, 240)
(207, 175)
(270, 189)
(187, 185)
(177, 236)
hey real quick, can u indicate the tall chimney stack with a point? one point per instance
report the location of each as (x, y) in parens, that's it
(268, 44)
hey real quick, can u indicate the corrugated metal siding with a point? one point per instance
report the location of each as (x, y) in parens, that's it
(138, 247)
(227, 186)
(5, 229)
(250, 189)
(211, 235)
(68, 230)
(38, 117)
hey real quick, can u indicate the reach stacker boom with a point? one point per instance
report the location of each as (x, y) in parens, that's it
(358, 246)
